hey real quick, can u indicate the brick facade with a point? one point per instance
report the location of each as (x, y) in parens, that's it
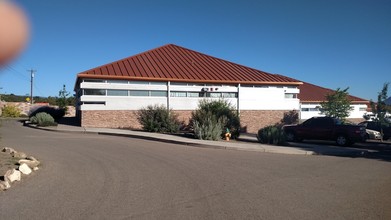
(110, 119)
(252, 120)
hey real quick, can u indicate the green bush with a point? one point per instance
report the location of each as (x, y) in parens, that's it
(43, 119)
(158, 119)
(209, 128)
(56, 113)
(272, 134)
(10, 111)
(212, 113)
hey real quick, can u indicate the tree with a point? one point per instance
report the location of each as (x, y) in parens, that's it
(337, 104)
(62, 100)
(380, 108)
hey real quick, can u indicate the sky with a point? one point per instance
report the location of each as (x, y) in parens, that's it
(329, 43)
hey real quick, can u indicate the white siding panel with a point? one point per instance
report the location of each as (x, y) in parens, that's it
(265, 99)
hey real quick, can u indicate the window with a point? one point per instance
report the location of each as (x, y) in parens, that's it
(178, 94)
(194, 94)
(94, 80)
(94, 92)
(290, 95)
(112, 92)
(213, 94)
(93, 103)
(229, 95)
(363, 109)
(159, 93)
(139, 93)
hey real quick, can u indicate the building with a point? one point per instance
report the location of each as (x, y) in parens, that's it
(311, 96)
(178, 78)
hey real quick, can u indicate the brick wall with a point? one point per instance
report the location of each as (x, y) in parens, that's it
(110, 119)
(252, 120)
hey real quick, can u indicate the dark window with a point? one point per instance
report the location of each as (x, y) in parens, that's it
(94, 92)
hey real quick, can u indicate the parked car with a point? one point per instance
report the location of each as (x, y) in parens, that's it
(372, 134)
(326, 128)
(376, 126)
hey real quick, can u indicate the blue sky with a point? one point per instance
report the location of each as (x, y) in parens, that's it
(330, 43)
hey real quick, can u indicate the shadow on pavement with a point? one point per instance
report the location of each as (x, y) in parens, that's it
(371, 150)
(70, 121)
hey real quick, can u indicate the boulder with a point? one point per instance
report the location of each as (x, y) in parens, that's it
(12, 175)
(31, 158)
(25, 169)
(8, 150)
(30, 163)
(4, 185)
(18, 154)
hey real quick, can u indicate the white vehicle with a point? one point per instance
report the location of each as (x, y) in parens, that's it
(372, 134)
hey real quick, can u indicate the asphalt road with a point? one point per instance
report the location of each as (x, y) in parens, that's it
(86, 176)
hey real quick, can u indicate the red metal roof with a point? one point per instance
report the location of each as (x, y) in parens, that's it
(312, 93)
(174, 63)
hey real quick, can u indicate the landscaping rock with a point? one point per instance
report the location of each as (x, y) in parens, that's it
(4, 185)
(12, 175)
(18, 154)
(30, 163)
(25, 169)
(8, 150)
(31, 158)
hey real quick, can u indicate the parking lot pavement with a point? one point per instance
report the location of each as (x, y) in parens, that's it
(246, 142)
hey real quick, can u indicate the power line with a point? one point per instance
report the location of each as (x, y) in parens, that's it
(10, 68)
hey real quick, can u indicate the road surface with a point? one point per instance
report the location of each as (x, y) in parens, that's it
(86, 176)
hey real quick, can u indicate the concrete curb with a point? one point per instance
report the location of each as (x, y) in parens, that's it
(192, 143)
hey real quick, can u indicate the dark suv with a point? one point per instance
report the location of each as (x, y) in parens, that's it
(374, 125)
(325, 128)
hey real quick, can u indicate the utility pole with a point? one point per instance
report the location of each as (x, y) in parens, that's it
(31, 84)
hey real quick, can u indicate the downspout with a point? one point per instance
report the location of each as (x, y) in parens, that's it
(238, 102)
(168, 95)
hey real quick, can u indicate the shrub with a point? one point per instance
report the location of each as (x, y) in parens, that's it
(291, 117)
(43, 119)
(211, 113)
(158, 119)
(209, 128)
(56, 113)
(10, 111)
(272, 134)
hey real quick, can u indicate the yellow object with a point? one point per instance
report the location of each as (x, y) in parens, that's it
(227, 136)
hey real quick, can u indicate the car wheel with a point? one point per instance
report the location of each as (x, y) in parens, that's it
(290, 136)
(342, 140)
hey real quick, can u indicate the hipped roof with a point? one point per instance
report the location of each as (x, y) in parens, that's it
(312, 93)
(178, 64)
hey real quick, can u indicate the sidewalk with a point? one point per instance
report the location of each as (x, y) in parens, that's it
(245, 142)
